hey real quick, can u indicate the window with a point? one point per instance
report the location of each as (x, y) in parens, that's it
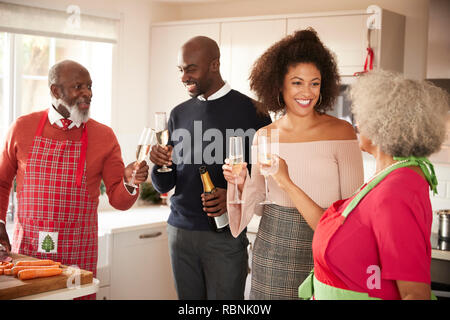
(34, 39)
(34, 55)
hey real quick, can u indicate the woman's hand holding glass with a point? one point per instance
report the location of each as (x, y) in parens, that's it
(236, 159)
(278, 171)
(231, 176)
(265, 162)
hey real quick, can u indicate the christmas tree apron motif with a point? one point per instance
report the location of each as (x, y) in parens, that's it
(56, 219)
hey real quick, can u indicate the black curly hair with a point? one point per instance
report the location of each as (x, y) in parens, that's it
(304, 46)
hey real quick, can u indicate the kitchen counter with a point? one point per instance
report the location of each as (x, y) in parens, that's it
(66, 293)
(118, 221)
(132, 219)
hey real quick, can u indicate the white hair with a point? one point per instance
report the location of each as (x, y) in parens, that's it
(404, 117)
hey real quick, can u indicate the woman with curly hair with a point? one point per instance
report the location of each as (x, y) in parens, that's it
(376, 243)
(296, 77)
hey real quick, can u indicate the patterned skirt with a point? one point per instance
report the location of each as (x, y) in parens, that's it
(282, 254)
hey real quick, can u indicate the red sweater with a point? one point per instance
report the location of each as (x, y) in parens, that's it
(103, 159)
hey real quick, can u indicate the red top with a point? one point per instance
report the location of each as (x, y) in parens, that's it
(385, 238)
(103, 159)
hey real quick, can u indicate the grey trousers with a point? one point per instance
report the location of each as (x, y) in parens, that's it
(208, 265)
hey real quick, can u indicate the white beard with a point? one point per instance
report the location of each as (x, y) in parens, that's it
(76, 115)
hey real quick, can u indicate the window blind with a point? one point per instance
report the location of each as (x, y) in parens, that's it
(70, 24)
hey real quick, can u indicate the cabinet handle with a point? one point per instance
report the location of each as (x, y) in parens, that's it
(150, 235)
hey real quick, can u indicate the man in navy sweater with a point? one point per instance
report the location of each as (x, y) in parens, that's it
(206, 264)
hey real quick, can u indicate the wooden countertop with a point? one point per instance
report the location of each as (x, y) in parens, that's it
(12, 288)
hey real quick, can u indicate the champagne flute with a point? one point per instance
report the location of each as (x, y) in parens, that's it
(265, 158)
(236, 161)
(142, 151)
(162, 134)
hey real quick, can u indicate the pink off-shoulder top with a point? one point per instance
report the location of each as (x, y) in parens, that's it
(326, 171)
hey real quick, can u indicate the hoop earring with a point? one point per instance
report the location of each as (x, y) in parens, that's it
(279, 102)
(320, 100)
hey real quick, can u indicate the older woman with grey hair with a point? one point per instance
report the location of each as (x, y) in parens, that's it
(376, 244)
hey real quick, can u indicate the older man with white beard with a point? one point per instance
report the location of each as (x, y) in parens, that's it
(59, 157)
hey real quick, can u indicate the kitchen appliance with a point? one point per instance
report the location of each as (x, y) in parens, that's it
(440, 276)
(444, 227)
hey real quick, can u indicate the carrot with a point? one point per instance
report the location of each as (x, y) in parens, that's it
(16, 269)
(6, 265)
(35, 263)
(7, 272)
(1, 271)
(38, 273)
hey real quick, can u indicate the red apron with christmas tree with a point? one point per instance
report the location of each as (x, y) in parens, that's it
(56, 219)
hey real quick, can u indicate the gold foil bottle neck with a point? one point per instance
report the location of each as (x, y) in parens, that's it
(208, 186)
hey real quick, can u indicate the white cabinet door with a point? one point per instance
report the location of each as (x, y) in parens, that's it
(166, 89)
(141, 266)
(103, 293)
(241, 43)
(345, 35)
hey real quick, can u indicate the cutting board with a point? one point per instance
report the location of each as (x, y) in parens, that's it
(12, 288)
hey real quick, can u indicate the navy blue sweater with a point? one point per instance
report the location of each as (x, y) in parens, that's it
(199, 131)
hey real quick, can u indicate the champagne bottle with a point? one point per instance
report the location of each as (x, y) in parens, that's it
(220, 223)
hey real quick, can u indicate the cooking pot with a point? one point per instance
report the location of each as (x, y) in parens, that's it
(444, 224)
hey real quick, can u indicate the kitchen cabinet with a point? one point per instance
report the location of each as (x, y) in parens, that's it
(140, 264)
(344, 35)
(133, 254)
(243, 39)
(103, 293)
(241, 43)
(347, 34)
(166, 90)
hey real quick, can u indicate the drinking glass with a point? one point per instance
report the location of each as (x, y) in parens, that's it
(265, 158)
(236, 158)
(143, 148)
(162, 134)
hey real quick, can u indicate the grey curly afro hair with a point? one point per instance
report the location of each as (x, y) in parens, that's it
(404, 117)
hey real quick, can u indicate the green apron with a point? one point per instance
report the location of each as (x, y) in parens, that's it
(321, 291)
